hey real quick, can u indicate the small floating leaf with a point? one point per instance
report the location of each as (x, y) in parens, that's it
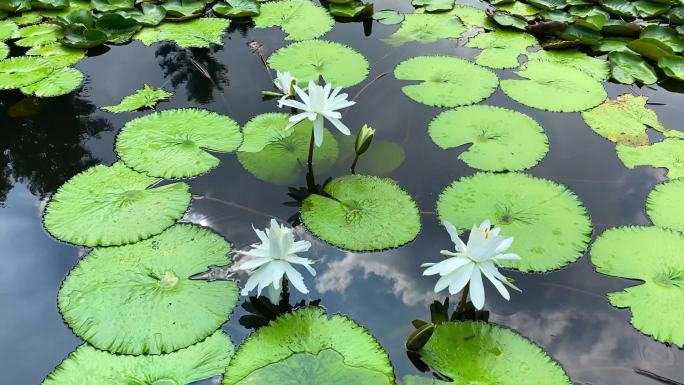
(200, 33)
(60, 82)
(21, 71)
(427, 28)
(628, 68)
(27, 18)
(434, 5)
(147, 97)
(59, 55)
(500, 49)
(507, 20)
(620, 8)
(664, 205)
(181, 8)
(594, 67)
(35, 35)
(667, 154)
(473, 17)
(519, 8)
(388, 17)
(352, 9)
(299, 19)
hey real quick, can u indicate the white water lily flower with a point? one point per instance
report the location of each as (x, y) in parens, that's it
(285, 83)
(272, 259)
(317, 104)
(473, 260)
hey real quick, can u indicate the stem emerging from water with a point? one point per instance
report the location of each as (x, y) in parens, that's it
(311, 151)
(464, 299)
(353, 166)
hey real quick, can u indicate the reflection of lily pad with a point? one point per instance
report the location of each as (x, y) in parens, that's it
(549, 223)
(501, 139)
(654, 256)
(308, 60)
(300, 19)
(628, 68)
(200, 33)
(139, 299)
(364, 213)
(664, 205)
(108, 206)
(594, 67)
(306, 347)
(60, 56)
(88, 365)
(21, 71)
(60, 82)
(147, 97)
(274, 154)
(554, 87)
(480, 353)
(667, 154)
(174, 143)
(381, 158)
(427, 28)
(500, 49)
(445, 81)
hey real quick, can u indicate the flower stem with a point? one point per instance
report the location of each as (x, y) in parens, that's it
(464, 300)
(284, 303)
(353, 166)
(311, 151)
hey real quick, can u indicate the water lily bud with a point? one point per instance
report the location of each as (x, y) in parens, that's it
(420, 337)
(364, 139)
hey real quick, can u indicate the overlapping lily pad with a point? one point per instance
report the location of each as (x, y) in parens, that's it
(594, 67)
(629, 68)
(667, 154)
(146, 97)
(480, 353)
(174, 143)
(21, 71)
(427, 28)
(500, 49)
(446, 81)
(299, 19)
(109, 206)
(664, 205)
(60, 82)
(306, 347)
(7, 29)
(501, 139)
(652, 255)
(549, 223)
(308, 60)
(473, 17)
(4, 50)
(362, 213)
(88, 365)
(200, 33)
(381, 158)
(35, 35)
(59, 55)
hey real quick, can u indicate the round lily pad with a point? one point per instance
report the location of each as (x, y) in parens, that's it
(338, 64)
(446, 81)
(594, 67)
(200, 33)
(652, 255)
(500, 49)
(58, 54)
(299, 19)
(7, 29)
(664, 205)
(308, 348)
(501, 139)
(362, 213)
(109, 206)
(427, 28)
(480, 353)
(667, 154)
(174, 143)
(88, 365)
(21, 71)
(40, 34)
(146, 97)
(278, 155)
(549, 223)
(58, 83)
(554, 87)
(139, 299)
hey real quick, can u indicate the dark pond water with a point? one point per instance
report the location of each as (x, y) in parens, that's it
(565, 312)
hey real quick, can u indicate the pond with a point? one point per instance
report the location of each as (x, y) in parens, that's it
(564, 311)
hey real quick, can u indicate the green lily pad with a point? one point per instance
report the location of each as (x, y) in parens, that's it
(306, 347)
(139, 298)
(519, 8)
(593, 18)
(422, 380)
(35, 35)
(15, 5)
(500, 49)
(473, 17)
(21, 71)
(652, 255)
(113, 5)
(650, 9)
(427, 28)
(174, 143)
(446, 81)
(7, 29)
(594, 67)
(110, 206)
(664, 35)
(664, 205)
(151, 15)
(146, 97)
(299, 19)
(274, 154)
(237, 8)
(480, 353)
(388, 17)
(351, 9)
(620, 8)
(613, 44)
(549, 223)
(506, 20)
(358, 212)
(650, 48)
(554, 87)
(434, 5)
(336, 63)
(181, 8)
(57, 54)
(575, 32)
(119, 29)
(50, 4)
(667, 154)
(27, 18)
(549, 5)
(58, 83)
(676, 16)
(621, 28)
(628, 68)
(4, 50)
(381, 158)
(83, 37)
(501, 139)
(673, 66)
(199, 33)
(88, 365)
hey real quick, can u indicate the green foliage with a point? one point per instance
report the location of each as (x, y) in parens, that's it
(596, 68)
(650, 48)
(388, 17)
(628, 68)
(427, 28)
(664, 35)
(673, 66)
(500, 49)
(299, 19)
(434, 5)
(15, 5)
(667, 154)
(35, 35)
(58, 83)
(200, 33)
(7, 29)
(22, 71)
(350, 9)
(113, 5)
(4, 50)
(181, 8)
(237, 8)
(119, 29)
(664, 205)
(147, 97)
(473, 17)
(60, 56)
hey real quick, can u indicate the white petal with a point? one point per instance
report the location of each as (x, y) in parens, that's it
(485, 268)
(254, 263)
(447, 266)
(477, 294)
(274, 294)
(300, 247)
(442, 283)
(504, 245)
(295, 119)
(296, 279)
(339, 125)
(293, 103)
(509, 256)
(453, 234)
(460, 278)
(318, 130)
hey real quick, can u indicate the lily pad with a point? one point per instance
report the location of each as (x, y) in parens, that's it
(182, 8)
(576, 32)
(652, 255)
(628, 68)
(388, 17)
(119, 29)
(480, 353)
(667, 154)
(620, 8)
(650, 9)
(274, 154)
(422, 380)
(336, 63)
(21, 71)
(446, 81)
(174, 143)
(501, 139)
(362, 213)
(549, 223)
(594, 67)
(113, 5)
(27, 18)
(60, 82)
(664, 205)
(434, 5)
(519, 8)
(501, 49)
(306, 347)
(139, 298)
(664, 35)
(88, 365)
(650, 48)
(473, 17)
(110, 206)
(83, 37)
(7, 29)
(151, 15)
(199, 33)
(506, 20)
(237, 8)
(4, 50)
(35, 35)
(57, 54)
(673, 66)
(299, 19)
(427, 28)
(352, 9)
(147, 97)
(554, 87)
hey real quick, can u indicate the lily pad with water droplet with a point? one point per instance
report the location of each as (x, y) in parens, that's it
(87, 365)
(109, 206)
(554, 87)
(139, 298)
(362, 213)
(481, 353)
(199, 33)
(549, 223)
(427, 28)
(500, 49)
(500, 139)
(7, 29)
(146, 97)
(59, 55)
(40, 34)
(652, 255)
(307, 347)
(21, 71)
(174, 143)
(299, 19)
(60, 82)
(446, 81)
(667, 154)
(664, 205)
(336, 63)
(594, 67)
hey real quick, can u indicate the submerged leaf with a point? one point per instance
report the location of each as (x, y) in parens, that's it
(594, 67)
(147, 97)
(299, 19)
(21, 71)
(500, 49)
(427, 28)
(628, 68)
(200, 33)
(664, 205)
(58, 83)
(667, 154)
